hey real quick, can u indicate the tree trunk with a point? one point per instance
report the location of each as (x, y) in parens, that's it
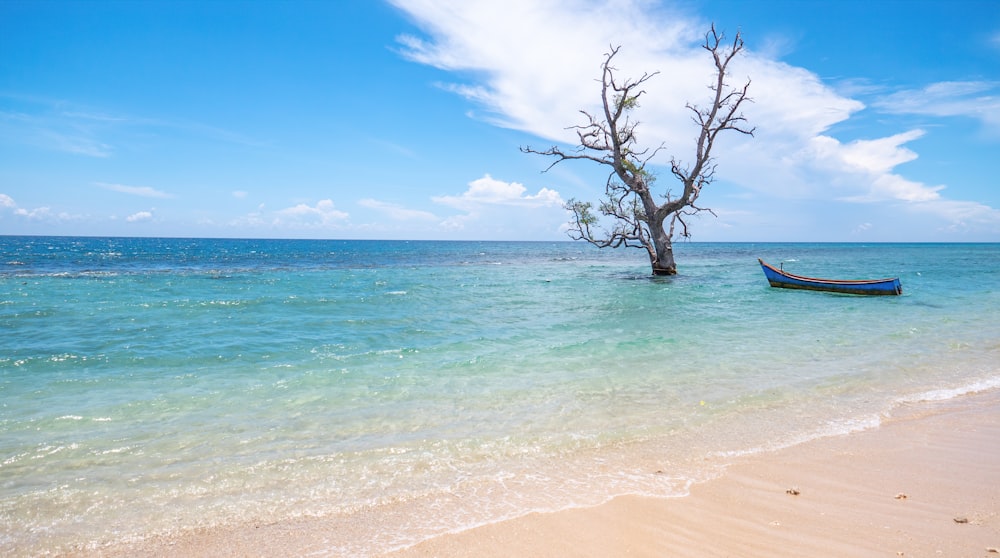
(610, 140)
(664, 263)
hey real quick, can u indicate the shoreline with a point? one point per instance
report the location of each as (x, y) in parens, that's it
(921, 484)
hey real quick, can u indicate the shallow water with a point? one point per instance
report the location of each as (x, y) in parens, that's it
(411, 388)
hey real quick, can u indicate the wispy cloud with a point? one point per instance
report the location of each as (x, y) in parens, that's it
(973, 99)
(60, 125)
(396, 148)
(53, 131)
(143, 191)
(960, 216)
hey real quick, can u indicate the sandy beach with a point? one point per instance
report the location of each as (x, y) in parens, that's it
(925, 483)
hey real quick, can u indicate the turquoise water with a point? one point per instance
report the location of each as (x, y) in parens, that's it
(405, 389)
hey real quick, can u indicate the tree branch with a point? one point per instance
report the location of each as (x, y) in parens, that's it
(611, 141)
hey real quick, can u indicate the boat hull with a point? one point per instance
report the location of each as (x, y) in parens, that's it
(785, 280)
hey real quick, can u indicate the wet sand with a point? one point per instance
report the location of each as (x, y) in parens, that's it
(923, 484)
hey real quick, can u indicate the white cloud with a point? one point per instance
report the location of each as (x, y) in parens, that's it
(239, 194)
(323, 213)
(143, 191)
(960, 215)
(44, 214)
(493, 208)
(397, 212)
(302, 216)
(880, 155)
(79, 144)
(974, 99)
(61, 125)
(532, 65)
(489, 191)
(861, 170)
(37, 213)
(541, 59)
(140, 217)
(530, 51)
(54, 129)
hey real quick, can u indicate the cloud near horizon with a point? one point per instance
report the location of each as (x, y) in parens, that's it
(139, 217)
(494, 205)
(490, 191)
(40, 214)
(322, 214)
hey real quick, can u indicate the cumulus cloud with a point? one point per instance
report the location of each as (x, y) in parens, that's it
(8, 202)
(142, 191)
(490, 191)
(861, 170)
(37, 214)
(323, 213)
(140, 216)
(494, 208)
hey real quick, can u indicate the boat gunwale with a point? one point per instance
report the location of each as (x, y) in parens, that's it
(831, 281)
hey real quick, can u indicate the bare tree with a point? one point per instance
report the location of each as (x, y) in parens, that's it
(639, 221)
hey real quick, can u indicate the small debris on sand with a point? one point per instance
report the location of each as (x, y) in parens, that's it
(793, 491)
(992, 549)
(961, 519)
(901, 496)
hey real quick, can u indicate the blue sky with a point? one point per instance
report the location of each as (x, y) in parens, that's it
(876, 120)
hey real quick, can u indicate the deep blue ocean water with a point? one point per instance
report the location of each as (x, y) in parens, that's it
(405, 389)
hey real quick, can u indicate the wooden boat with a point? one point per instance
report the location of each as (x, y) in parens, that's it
(780, 278)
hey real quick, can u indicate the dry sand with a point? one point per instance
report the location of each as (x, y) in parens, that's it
(927, 484)
(919, 486)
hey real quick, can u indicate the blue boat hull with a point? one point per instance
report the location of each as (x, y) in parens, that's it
(782, 279)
